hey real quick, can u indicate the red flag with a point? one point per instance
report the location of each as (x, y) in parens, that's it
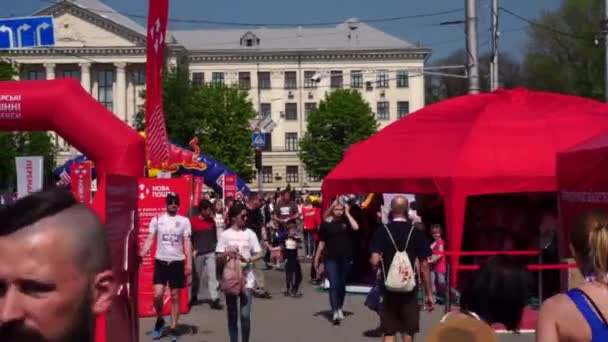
(81, 182)
(157, 141)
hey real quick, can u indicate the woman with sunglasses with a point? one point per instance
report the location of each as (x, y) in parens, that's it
(240, 242)
(336, 240)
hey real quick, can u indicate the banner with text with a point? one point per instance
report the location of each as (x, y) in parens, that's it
(229, 186)
(81, 181)
(198, 190)
(572, 205)
(151, 202)
(29, 175)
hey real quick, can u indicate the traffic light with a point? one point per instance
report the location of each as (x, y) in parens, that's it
(258, 159)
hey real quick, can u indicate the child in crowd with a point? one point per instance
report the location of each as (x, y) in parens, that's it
(293, 270)
(277, 238)
(439, 265)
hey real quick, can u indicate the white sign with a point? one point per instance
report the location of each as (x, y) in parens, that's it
(29, 175)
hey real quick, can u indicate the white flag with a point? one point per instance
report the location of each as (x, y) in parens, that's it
(29, 175)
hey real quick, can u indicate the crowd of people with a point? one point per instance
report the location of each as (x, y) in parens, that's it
(56, 274)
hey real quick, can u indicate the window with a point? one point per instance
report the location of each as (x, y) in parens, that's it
(291, 111)
(336, 79)
(244, 80)
(268, 140)
(265, 110)
(249, 39)
(74, 73)
(403, 109)
(402, 79)
(309, 107)
(264, 80)
(382, 111)
(266, 174)
(33, 75)
(309, 83)
(198, 79)
(356, 79)
(105, 82)
(217, 78)
(382, 79)
(291, 81)
(291, 141)
(292, 173)
(139, 77)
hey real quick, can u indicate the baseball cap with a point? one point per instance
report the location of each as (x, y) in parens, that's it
(172, 197)
(460, 328)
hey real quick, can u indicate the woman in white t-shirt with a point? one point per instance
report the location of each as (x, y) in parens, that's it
(240, 242)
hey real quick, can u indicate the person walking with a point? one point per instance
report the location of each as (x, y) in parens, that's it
(239, 242)
(204, 242)
(335, 238)
(400, 309)
(255, 222)
(580, 314)
(172, 261)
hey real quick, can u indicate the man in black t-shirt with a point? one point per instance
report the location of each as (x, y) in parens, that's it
(401, 312)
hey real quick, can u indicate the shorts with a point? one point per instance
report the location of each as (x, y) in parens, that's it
(400, 313)
(169, 272)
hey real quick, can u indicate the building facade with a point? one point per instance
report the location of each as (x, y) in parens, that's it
(286, 71)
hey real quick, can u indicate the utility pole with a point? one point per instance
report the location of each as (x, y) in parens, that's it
(472, 53)
(494, 79)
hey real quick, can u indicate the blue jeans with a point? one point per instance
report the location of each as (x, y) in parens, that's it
(309, 242)
(232, 308)
(337, 272)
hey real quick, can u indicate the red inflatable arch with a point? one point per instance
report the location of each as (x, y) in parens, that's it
(65, 107)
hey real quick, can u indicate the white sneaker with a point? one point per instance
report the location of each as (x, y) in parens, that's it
(336, 315)
(340, 314)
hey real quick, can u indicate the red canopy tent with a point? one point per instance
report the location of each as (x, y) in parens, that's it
(500, 142)
(583, 180)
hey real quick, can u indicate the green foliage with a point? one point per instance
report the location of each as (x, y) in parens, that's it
(567, 62)
(217, 114)
(22, 144)
(342, 119)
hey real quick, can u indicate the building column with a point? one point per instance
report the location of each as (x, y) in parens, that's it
(121, 91)
(85, 76)
(50, 71)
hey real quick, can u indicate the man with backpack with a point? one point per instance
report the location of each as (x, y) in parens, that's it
(395, 248)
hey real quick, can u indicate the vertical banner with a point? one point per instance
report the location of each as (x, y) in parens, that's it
(81, 181)
(151, 202)
(198, 190)
(157, 141)
(229, 186)
(29, 175)
(121, 321)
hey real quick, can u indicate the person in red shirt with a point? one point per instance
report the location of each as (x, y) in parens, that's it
(312, 219)
(204, 242)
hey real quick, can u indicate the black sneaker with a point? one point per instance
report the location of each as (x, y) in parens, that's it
(216, 305)
(287, 293)
(296, 294)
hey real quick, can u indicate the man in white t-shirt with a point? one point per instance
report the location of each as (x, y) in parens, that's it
(172, 261)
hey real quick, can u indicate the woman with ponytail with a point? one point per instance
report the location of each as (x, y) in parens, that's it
(580, 314)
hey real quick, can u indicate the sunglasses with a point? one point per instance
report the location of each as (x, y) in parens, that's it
(173, 203)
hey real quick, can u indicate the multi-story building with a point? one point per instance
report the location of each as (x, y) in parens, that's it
(287, 71)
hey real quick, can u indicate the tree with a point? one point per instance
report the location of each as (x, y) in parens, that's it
(443, 87)
(218, 115)
(22, 144)
(342, 119)
(562, 50)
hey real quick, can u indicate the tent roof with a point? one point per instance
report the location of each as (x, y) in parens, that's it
(499, 142)
(583, 167)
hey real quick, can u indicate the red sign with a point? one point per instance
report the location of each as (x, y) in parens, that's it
(198, 190)
(151, 202)
(81, 181)
(157, 142)
(229, 186)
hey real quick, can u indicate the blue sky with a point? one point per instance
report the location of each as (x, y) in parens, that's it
(441, 39)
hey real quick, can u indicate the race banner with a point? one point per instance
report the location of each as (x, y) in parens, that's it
(198, 190)
(151, 202)
(229, 186)
(29, 175)
(81, 181)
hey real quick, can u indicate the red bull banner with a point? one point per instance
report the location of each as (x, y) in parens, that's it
(230, 186)
(198, 190)
(151, 202)
(81, 181)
